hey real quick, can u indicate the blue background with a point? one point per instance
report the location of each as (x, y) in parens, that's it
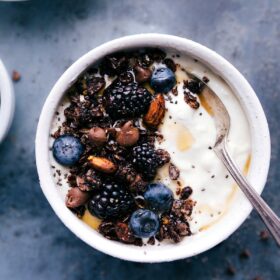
(41, 39)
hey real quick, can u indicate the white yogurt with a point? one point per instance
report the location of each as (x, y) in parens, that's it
(188, 134)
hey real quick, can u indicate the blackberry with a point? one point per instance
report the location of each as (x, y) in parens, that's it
(146, 160)
(126, 100)
(112, 201)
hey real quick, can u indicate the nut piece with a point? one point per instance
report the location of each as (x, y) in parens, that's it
(76, 198)
(156, 112)
(142, 75)
(102, 164)
(97, 136)
(128, 135)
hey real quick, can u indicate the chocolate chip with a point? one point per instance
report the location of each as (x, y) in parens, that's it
(76, 198)
(186, 192)
(97, 136)
(127, 135)
(142, 75)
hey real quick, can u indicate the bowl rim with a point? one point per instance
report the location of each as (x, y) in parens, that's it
(241, 88)
(7, 101)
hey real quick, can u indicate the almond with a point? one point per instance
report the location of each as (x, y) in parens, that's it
(102, 164)
(156, 112)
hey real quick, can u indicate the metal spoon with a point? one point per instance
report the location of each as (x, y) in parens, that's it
(222, 122)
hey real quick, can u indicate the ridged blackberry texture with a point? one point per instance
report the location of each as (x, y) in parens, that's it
(146, 160)
(112, 201)
(126, 100)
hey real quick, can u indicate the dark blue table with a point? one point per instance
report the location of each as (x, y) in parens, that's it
(40, 39)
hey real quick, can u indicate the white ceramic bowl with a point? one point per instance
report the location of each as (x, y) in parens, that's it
(7, 101)
(239, 210)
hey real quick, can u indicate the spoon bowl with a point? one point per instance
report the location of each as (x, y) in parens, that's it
(222, 122)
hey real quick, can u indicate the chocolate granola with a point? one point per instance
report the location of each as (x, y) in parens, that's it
(119, 135)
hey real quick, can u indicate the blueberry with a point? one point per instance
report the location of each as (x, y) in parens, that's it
(67, 150)
(158, 197)
(163, 80)
(144, 223)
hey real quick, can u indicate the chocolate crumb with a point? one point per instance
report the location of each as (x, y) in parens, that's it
(174, 172)
(175, 91)
(16, 76)
(245, 254)
(205, 79)
(264, 235)
(191, 100)
(231, 270)
(151, 241)
(257, 278)
(124, 233)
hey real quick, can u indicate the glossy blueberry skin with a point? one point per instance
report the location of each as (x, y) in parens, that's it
(67, 150)
(158, 198)
(163, 80)
(144, 223)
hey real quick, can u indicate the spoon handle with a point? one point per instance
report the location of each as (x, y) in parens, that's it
(271, 220)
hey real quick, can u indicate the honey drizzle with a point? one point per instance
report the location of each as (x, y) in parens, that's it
(230, 197)
(205, 104)
(90, 220)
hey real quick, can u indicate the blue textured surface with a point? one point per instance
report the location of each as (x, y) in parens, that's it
(40, 39)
